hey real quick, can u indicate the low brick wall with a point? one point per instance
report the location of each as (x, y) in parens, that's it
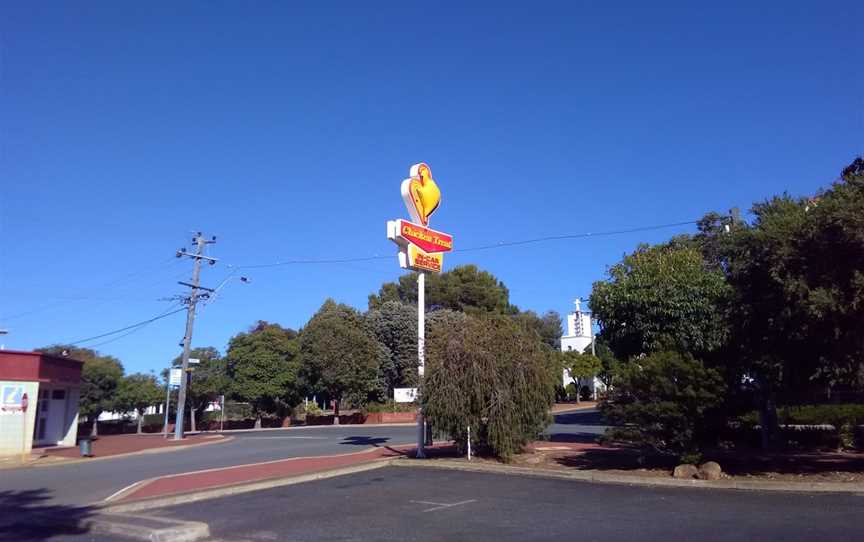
(391, 417)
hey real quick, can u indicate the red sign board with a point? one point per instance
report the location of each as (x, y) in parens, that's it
(425, 239)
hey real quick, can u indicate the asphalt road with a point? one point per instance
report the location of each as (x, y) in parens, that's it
(91, 482)
(418, 504)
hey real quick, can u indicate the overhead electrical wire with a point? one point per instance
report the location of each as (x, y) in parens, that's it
(502, 244)
(310, 261)
(122, 329)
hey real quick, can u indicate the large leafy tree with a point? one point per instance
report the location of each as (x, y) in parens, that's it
(491, 374)
(136, 393)
(208, 380)
(340, 356)
(464, 288)
(100, 377)
(394, 325)
(662, 297)
(547, 327)
(796, 271)
(263, 365)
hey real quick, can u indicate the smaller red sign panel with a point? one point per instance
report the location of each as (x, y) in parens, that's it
(425, 239)
(423, 261)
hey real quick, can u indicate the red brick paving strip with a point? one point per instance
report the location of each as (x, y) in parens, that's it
(124, 444)
(197, 481)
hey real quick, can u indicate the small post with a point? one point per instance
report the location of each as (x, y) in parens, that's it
(222, 415)
(469, 443)
(167, 403)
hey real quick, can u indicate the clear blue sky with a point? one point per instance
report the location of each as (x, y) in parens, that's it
(285, 129)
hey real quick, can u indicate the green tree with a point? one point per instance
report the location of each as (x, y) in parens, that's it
(662, 297)
(464, 288)
(340, 356)
(100, 377)
(491, 374)
(580, 367)
(547, 327)
(796, 272)
(609, 364)
(263, 366)
(394, 325)
(660, 402)
(208, 379)
(136, 393)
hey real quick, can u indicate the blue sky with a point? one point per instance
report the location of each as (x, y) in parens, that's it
(285, 129)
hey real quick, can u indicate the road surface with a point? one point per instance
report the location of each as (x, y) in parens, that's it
(416, 504)
(91, 482)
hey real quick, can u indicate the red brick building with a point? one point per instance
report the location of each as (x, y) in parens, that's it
(38, 400)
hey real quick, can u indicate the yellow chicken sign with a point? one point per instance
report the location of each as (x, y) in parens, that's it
(420, 248)
(421, 194)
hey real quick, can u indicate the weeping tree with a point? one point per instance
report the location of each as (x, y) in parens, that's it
(491, 374)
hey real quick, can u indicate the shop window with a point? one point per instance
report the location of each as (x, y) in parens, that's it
(58, 394)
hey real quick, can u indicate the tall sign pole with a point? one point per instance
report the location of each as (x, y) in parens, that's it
(421, 358)
(420, 249)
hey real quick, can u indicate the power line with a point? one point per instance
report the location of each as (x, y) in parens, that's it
(133, 330)
(501, 244)
(577, 236)
(122, 329)
(127, 278)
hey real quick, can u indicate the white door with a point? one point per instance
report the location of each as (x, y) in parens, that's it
(50, 416)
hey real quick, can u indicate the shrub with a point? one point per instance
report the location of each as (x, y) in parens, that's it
(845, 418)
(491, 374)
(389, 406)
(660, 402)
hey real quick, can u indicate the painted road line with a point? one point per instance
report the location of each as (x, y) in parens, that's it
(120, 492)
(441, 505)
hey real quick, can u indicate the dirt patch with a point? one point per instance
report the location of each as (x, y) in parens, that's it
(845, 467)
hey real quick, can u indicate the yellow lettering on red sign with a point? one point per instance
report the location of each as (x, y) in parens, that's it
(431, 241)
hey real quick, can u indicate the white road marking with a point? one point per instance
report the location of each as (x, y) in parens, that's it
(120, 491)
(442, 505)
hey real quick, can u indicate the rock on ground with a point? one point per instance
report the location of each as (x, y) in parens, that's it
(685, 471)
(710, 471)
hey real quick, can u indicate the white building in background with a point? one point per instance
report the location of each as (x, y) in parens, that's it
(580, 335)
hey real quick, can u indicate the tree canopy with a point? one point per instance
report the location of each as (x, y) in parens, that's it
(136, 393)
(464, 288)
(394, 325)
(263, 366)
(661, 297)
(340, 356)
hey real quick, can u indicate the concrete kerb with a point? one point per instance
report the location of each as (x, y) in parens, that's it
(164, 449)
(194, 496)
(149, 528)
(609, 478)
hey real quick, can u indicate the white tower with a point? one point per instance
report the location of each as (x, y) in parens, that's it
(579, 337)
(579, 333)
